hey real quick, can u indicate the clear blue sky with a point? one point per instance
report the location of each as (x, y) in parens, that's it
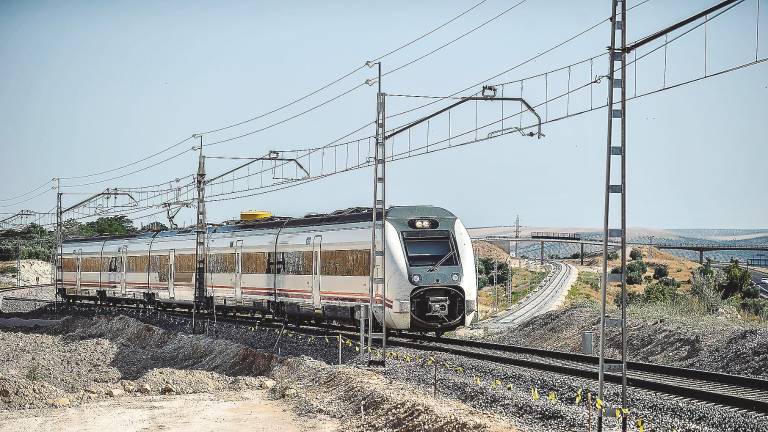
(87, 86)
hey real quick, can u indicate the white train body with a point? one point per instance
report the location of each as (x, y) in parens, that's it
(314, 268)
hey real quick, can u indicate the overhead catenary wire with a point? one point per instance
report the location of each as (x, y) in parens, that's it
(31, 191)
(335, 98)
(344, 76)
(409, 153)
(176, 155)
(166, 149)
(346, 92)
(552, 120)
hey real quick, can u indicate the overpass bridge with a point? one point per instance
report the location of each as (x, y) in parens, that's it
(575, 239)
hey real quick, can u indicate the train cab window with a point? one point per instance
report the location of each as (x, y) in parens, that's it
(430, 248)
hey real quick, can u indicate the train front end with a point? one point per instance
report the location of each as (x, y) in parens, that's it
(433, 283)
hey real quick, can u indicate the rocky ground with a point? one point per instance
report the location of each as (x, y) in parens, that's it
(110, 361)
(472, 394)
(32, 272)
(714, 343)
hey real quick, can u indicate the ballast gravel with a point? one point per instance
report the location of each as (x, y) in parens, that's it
(505, 394)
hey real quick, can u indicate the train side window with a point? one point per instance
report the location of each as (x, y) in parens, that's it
(275, 262)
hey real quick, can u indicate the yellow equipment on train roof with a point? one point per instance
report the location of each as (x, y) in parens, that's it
(250, 215)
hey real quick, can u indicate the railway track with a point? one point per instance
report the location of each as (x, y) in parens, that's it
(736, 391)
(723, 389)
(539, 301)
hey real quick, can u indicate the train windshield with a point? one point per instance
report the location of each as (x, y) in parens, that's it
(428, 250)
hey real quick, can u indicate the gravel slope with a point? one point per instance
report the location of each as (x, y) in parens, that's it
(711, 343)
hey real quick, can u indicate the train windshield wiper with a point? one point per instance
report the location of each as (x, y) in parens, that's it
(439, 263)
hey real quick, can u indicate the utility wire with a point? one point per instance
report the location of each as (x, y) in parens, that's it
(27, 193)
(43, 192)
(129, 173)
(455, 40)
(346, 75)
(340, 95)
(281, 107)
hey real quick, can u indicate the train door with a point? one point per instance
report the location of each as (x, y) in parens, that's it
(79, 261)
(317, 242)
(123, 260)
(238, 271)
(171, 273)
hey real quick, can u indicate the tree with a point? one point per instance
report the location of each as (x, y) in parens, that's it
(485, 272)
(705, 286)
(635, 254)
(154, 226)
(737, 279)
(660, 271)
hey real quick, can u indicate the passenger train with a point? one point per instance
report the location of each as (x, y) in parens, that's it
(312, 268)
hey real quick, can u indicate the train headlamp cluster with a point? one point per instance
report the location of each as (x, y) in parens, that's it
(455, 277)
(415, 278)
(423, 223)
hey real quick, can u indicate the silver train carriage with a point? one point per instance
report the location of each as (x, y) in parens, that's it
(311, 268)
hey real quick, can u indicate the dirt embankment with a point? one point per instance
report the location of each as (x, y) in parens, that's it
(32, 272)
(119, 366)
(366, 401)
(81, 360)
(709, 343)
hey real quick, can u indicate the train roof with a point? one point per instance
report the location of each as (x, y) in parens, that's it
(350, 215)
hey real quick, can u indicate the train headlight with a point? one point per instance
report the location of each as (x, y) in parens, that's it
(415, 278)
(455, 277)
(423, 223)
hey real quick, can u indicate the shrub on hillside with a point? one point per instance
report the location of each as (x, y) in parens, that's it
(612, 255)
(637, 266)
(758, 307)
(634, 278)
(660, 271)
(662, 291)
(635, 254)
(737, 279)
(8, 270)
(705, 286)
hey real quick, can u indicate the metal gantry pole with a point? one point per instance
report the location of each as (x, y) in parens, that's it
(623, 214)
(614, 83)
(59, 270)
(378, 282)
(200, 231)
(517, 235)
(18, 262)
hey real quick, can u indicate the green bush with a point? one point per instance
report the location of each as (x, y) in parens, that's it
(756, 306)
(612, 255)
(660, 271)
(8, 270)
(670, 282)
(637, 266)
(616, 270)
(634, 278)
(737, 279)
(635, 254)
(661, 291)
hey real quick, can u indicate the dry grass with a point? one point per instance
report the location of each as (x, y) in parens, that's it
(679, 268)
